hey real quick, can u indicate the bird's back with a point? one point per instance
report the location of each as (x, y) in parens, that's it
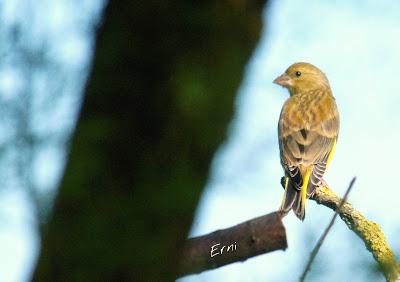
(308, 121)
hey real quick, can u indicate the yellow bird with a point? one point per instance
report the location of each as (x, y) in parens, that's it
(308, 130)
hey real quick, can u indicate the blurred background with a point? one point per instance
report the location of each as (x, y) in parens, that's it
(46, 52)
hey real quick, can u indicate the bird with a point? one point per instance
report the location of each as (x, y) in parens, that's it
(308, 130)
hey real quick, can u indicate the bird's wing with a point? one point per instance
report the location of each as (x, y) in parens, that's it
(308, 140)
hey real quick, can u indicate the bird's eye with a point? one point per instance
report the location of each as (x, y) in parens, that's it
(297, 73)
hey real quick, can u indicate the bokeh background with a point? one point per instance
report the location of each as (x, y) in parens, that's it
(46, 51)
(46, 48)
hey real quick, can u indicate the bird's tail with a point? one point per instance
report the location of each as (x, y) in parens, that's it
(292, 199)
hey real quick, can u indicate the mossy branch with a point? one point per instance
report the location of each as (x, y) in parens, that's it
(368, 231)
(269, 234)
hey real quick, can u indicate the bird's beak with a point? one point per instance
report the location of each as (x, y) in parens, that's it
(283, 80)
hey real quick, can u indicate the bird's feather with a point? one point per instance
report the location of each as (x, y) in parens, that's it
(308, 131)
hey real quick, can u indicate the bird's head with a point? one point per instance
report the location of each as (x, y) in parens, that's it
(302, 77)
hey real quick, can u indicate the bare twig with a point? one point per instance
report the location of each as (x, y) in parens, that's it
(251, 238)
(323, 236)
(266, 234)
(370, 232)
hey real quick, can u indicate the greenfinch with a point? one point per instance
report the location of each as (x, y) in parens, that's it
(308, 130)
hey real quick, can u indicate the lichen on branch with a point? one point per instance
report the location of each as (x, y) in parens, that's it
(368, 231)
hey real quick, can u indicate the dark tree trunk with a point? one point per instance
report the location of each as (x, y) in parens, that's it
(157, 106)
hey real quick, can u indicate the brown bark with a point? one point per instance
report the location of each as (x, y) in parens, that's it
(254, 237)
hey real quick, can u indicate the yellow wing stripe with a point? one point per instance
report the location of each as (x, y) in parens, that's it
(306, 179)
(332, 152)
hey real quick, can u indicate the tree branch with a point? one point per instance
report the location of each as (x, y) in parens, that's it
(267, 233)
(370, 232)
(251, 238)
